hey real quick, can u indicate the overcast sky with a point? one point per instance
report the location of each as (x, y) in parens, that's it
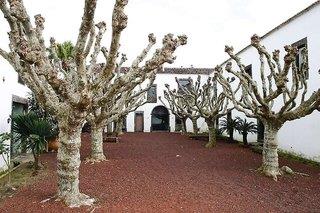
(209, 24)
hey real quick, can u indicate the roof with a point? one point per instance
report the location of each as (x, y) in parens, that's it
(190, 71)
(179, 71)
(170, 70)
(281, 25)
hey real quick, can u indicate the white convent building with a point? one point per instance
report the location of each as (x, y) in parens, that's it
(301, 136)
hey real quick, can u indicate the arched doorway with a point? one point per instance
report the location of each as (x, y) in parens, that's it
(160, 119)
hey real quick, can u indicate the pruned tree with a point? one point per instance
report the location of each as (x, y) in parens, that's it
(284, 83)
(189, 104)
(207, 102)
(116, 108)
(177, 106)
(134, 100)
(71, 96)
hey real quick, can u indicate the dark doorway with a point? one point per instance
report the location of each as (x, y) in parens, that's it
(138, 122)
(160, 119)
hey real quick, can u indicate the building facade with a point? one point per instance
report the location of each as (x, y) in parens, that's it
(300, 136)
(13, 95)
(154, 116)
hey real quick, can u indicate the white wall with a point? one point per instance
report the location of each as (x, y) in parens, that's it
(8, 86)
(160, 81)
(300, 136)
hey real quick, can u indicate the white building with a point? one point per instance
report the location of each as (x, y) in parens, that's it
(144, 118)
(13, 98)
(301, 136)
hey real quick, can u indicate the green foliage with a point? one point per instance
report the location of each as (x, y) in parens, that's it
(244, 127)
(32, 132)
(65, 51)
(298, 158)
(4, 148)
(41, 113)
(229, 126)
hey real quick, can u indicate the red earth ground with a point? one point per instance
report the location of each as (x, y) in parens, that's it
(167, 172)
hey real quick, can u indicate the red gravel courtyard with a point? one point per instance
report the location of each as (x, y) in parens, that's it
(167, 172)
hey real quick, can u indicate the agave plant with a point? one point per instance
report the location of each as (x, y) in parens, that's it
(229, 126)
(33, 133)
(244, 127)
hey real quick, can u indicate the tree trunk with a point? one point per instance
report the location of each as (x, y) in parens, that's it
(195, 126)
(109, 128)
(183, 125)
(36, 165)
(270, 164)
(97, 145)
(119, 126)
(231, 131)
(212, 135)
(68, 163)
(245, 139)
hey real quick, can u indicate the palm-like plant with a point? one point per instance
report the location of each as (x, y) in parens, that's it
(244, 127)
(229, 126)
(32, 132)
(65, 50)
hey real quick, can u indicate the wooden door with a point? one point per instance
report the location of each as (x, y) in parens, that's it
(138, 122)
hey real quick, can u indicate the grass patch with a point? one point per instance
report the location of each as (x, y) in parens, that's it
(289, 156)
(298, 158)
(21, 176)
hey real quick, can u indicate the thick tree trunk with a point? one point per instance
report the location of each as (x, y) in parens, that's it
(270, 164)
(68, 163)
(97, 145)
(212, 135)
(195, 126)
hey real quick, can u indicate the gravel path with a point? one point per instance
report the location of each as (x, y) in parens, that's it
(166, 172)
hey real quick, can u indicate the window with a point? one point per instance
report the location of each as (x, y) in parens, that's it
(185, 83)
(301, 61)
(248, 70)
(20, 81)
(152, 94)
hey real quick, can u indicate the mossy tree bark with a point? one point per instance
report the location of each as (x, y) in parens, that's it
(119, 126)
(212, 134)
(195, 126)
(68, 163)
(97, 154)
(183, 125)
(270, 164)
